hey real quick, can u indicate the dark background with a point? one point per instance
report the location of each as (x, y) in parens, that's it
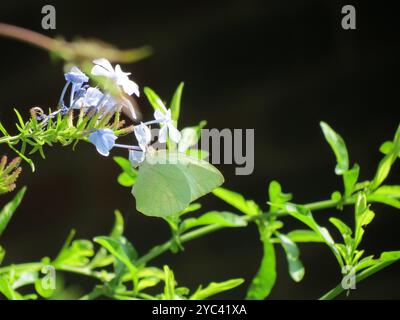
(277, 66)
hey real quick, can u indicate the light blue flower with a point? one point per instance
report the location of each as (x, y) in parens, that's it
(90, 97)
(77, 78)
(104, 140)
(143, 136)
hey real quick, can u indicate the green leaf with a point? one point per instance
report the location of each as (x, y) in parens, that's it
(169, 288)
(129, 175)
(150, 277)
(8, 210)
(336, 196)
(3, 130)
(29, 161)
(190, 136)
(176, 103)
(343, 228)
(124, 163)
(338, 146)
(153, 98)
(296, 268)
(264, 281)
(236, 200)
(76, 254)
(350, 178)
(214, 288)
(304, 215)
(223, 219)
(386, 163)
(101, 258)
(363, 217)
(126, 180)
(389, 190)
(192, 207)
(371, 267)
(386, 147)
(366, 263)
(386, 194)
(304, 236)
(390, 256)
(169, 181)
(122, 249)
(42, 291)
(276, 196)
(384, 199)
(2, 254)
(118, 228)
(21, 121)
(7, 290)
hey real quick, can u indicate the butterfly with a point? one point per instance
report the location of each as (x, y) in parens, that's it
(169, 181)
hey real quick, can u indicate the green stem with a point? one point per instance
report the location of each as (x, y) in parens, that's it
(34, 266)
(197, 233)
(37, 266)
(326, 204)
(360, 277)
(95, 293)
(9, 139)
(158, 250)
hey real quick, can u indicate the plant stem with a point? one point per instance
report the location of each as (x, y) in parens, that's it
(158, 250)
(360, 277)
(9, 139)
(34, 266)
(197, 233)
(37, 266)
(28, 36)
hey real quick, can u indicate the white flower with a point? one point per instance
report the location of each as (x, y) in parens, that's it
(104, 68)
(143, 136)
(167, 125)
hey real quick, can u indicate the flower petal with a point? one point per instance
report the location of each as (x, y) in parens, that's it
(162, 134)
(159, 116)
(104, 140)
(100, 71)
(136, 157)
(174, 133)
(130, 87)
(162, 105)
(120, 73)
(76, 76)
(143, 135)
(109, 105)
(127, 107)
(105, 64)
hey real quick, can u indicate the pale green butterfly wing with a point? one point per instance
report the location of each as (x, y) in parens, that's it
(160, 190)
(169, 181)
